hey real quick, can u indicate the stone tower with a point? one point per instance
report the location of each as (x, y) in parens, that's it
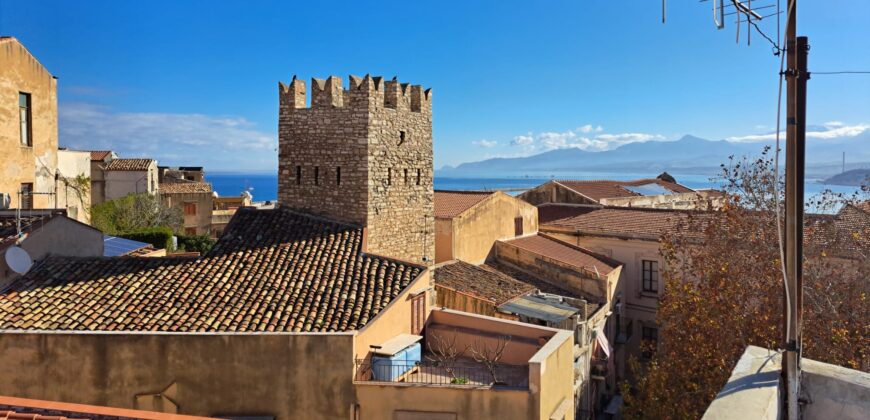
(361, 155)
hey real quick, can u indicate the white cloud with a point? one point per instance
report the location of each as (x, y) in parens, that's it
(523, 140)
(222, 142)
(586, 137)
(832, 130)
(485, 143)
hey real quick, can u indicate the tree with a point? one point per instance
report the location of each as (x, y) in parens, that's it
(444, 353)
(490, 357)
(724, 291)
(134, 212)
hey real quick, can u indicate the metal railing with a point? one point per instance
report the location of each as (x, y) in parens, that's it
(434, 373)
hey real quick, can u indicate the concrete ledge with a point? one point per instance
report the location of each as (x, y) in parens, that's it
(752, 391)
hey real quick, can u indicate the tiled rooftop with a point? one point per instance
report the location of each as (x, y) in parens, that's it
(129, 164)
(599, 189)
(562, 251)
(480, 281)
(642, 223)
(184, 187)
(539, 284)
(272, 270)
(449, 204)
(99, 155)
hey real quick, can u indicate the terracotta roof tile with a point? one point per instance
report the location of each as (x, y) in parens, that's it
(480, 281)
(272, 270)
(184, 187)
(600, 189)
(643, 223)
(129, 164)
(449, 204)
(562, 251)
(539, 284)
(100, 154)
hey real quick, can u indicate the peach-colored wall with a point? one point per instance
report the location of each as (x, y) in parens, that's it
(443, 240)
(36, 164)
(476, 230)
(380, 402)
(555, 375)
(395, 319)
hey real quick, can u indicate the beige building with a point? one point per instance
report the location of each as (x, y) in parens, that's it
(468, 223)
(223, 210)
(45, 233)
(129, 176)
(99, 160)
(662, 192)
(630, 236)
(28, 129)
(73, 184)
(194, 200)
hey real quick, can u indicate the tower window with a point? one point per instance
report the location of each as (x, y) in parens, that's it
(338, 175)
(298, 175)
(389, 176)
(401, 137)
(316, 175)
(406, 176)
(418, 177)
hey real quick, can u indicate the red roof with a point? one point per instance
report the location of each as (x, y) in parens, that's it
(600, 189)
(99, 155)
(642, 223)
(562, 251)
(449, 204)
(129, 164)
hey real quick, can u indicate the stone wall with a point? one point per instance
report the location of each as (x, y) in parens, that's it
(361, 155)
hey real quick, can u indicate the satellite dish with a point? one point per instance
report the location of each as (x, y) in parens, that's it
(18, 260)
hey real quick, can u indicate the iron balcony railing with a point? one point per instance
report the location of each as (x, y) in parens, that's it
(434, 373)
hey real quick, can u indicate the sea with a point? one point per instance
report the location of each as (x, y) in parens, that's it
(264, 186)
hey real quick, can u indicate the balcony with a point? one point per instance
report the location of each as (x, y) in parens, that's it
(465, 372)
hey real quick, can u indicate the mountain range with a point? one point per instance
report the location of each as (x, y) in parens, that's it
(689, 154)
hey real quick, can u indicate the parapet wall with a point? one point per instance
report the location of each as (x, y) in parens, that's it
(361, 92)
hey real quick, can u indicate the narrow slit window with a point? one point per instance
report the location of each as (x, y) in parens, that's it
(389, 176)
(406, 177)
(25, 118)
(338, 175)
(316, 175)
(418, 177)
(298, 175)
(401, 137)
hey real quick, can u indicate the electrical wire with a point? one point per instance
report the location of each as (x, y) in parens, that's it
(776, 180)
(840, 72)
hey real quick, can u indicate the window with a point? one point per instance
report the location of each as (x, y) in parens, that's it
(26, 196)
(298, 175)
(650, 337)
(25, 118)
(190, 231)
(518, 226)
(401, 137)
(418, 312)
(316, 175)
(338, 175)
(389, 176)
(406, 176)
(189, 209)
(418, 177)
(650, 276)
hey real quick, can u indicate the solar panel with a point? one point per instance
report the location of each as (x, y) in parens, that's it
(114, 246)
(648, 189)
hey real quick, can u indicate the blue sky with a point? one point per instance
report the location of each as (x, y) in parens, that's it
(195, 82)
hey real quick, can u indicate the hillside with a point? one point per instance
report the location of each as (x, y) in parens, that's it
(853, 178)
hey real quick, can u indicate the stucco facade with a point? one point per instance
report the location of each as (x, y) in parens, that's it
(470, 235)
(637, 308)
(59, 236)
(73, 184)
(361, 155)
(196, 210)
(32, 161)
(120, 183)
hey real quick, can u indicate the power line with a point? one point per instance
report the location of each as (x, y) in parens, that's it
(841, 72)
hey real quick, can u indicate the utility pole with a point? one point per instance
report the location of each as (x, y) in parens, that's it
(795, 153)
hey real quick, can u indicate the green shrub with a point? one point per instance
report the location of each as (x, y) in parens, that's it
(195, 243)
(160, 237)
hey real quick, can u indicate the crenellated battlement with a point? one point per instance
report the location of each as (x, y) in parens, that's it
(361, 91)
